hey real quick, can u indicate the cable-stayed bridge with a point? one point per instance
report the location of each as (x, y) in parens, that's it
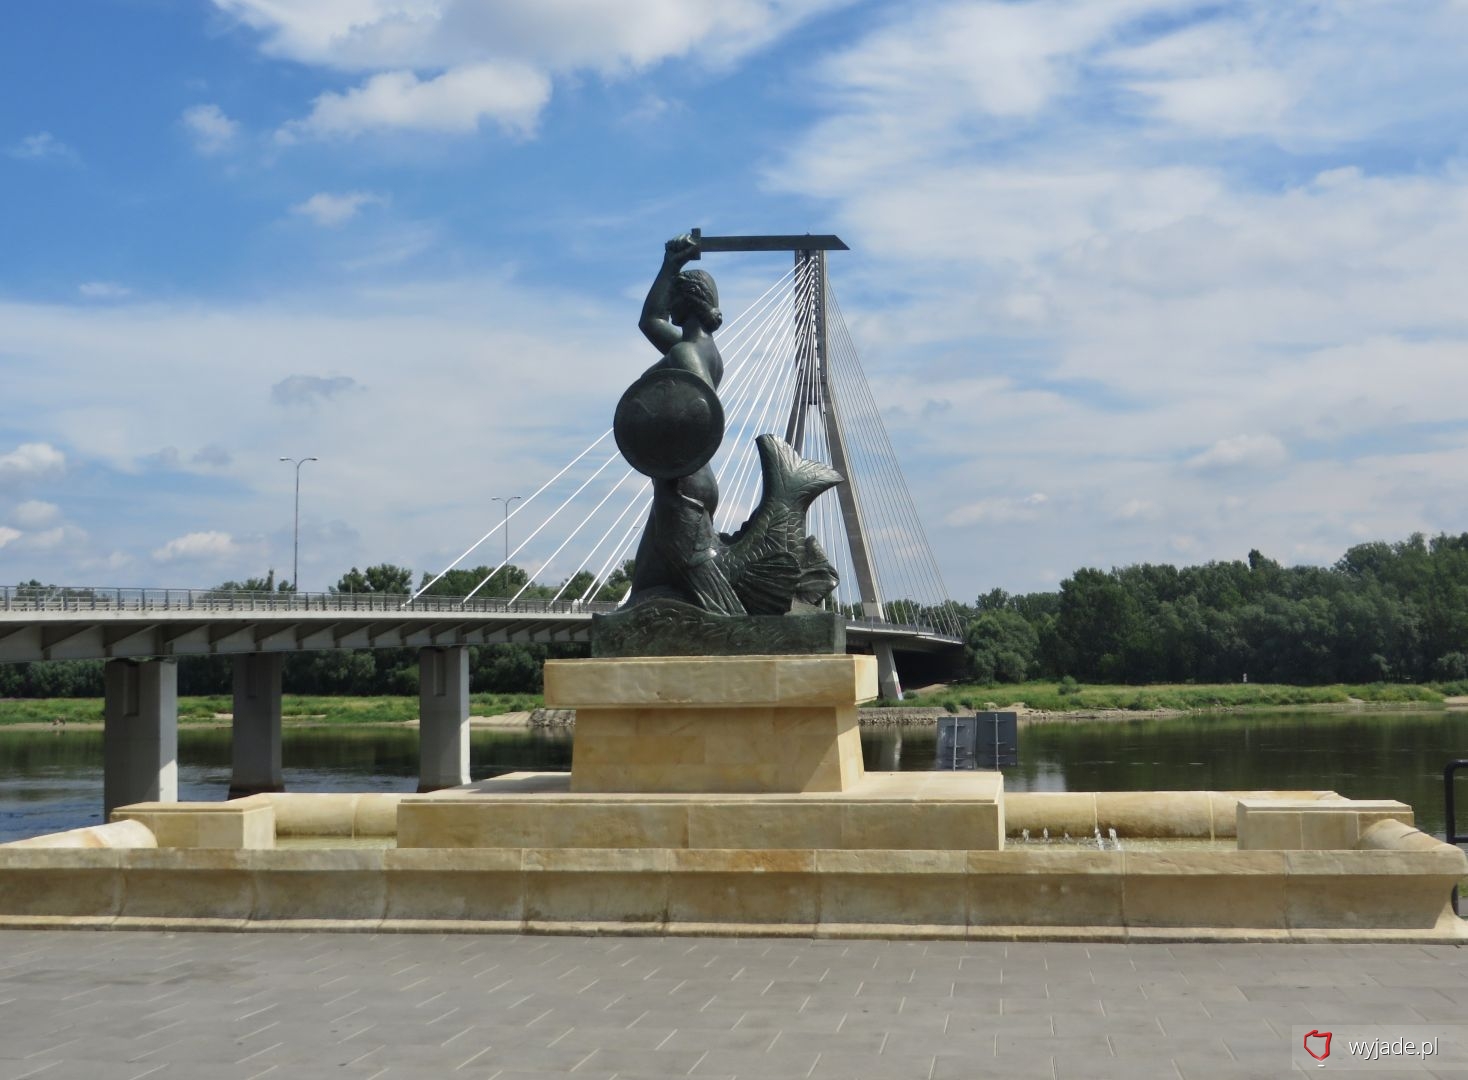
(791, 368)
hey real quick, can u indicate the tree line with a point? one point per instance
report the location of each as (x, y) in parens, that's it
(1384, 612)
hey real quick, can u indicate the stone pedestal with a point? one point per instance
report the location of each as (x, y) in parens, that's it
(443, 717)
(718, 724)
(255, 745)
(140, 733)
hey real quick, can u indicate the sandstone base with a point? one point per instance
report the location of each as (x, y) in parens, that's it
(526, 860)
(913, 811)
(714, 723)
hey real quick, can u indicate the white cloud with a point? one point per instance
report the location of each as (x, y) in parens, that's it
(169, 458)
(456, 102)
(166, 458)
(61, 537)
(998, 510)
(40, 147)
(103, 290)
(8, 535)
(34, 514)
(210, 129)
(212, 456)
(112, 563)
(198, 547)
(995, 59)
(330, 210)
(602, 35)
(1211, 77)
(449, 66)
(1242, 452)
(1136, 510)
(311, 389)
(31, 462)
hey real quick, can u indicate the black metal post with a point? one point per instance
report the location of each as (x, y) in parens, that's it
(1450, 813)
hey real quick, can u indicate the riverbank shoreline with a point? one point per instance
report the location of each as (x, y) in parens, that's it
(880, 716)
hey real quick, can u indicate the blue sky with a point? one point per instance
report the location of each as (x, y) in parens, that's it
(1135, 280)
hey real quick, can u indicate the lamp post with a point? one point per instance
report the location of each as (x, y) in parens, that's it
(296, 541)
(502, 499)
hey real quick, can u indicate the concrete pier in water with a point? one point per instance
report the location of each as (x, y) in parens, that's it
(255, 751)
(140, 735)
(443, 717)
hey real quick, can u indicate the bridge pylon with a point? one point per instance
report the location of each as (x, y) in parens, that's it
(815, 399)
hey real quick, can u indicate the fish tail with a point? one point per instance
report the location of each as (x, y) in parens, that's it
(785, 470)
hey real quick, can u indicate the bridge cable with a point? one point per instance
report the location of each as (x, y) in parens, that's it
(871, 496)
(554, 514)
(942, 600)
(501, 524)
(755, 416)
(883, 504)
(626, 475)
(636, 503)
(758, 373)
(738, 452)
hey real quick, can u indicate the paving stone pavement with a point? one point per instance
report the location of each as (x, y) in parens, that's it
(78, 1005)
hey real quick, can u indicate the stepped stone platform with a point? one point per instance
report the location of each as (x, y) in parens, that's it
(891, 811)
(811, 846)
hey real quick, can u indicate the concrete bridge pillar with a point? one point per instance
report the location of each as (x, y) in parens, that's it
(140, 733)
(443, 717)
(888, 684)
(256, 738)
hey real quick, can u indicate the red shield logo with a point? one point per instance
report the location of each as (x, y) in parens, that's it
(1325, 1052)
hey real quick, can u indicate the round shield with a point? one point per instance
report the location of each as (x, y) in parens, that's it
(669, 423)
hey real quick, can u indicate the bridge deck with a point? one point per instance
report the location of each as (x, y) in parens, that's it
(74, 624)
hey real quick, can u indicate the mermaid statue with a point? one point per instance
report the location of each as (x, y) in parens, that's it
(669, 424)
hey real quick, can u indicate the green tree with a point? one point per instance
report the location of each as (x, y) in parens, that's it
(382, 578)
(502, 581)
(255, 584)
(1096, 627)
(618, 582)
(1000, 646)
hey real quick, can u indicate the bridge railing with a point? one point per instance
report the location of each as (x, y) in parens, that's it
(88, 599)
(85, 599)
(887, 624)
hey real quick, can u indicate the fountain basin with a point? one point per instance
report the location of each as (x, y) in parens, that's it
(1392, 883)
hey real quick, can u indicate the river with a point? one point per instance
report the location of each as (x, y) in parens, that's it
(52, 780)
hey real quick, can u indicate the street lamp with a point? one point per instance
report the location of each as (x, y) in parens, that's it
(502, 499)
(296, 544)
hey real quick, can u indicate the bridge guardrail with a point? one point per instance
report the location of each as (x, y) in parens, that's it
(87, 598)
(30, 598)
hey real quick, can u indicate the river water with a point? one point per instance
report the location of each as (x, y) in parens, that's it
(53, 780)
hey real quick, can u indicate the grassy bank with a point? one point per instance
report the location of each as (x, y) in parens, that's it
(1067, 697)
(295, 708)
(1044, 696)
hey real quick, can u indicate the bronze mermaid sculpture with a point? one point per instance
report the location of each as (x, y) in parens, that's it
(669, 424)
